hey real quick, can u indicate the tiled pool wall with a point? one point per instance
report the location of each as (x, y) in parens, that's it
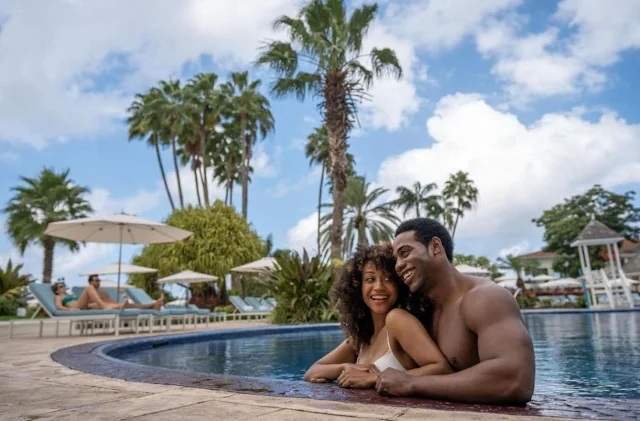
(101, 359)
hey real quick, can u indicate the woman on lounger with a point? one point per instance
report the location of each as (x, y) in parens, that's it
(90, 300)
(384, 325)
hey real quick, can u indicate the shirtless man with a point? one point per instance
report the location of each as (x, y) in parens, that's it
(104, 297)
(476, 324)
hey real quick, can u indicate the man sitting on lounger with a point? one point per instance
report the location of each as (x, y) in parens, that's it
(476, 324)
(94, 281)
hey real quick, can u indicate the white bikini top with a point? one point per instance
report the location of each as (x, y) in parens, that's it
(388, 360)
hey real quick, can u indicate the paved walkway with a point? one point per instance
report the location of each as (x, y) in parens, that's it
(34, 387)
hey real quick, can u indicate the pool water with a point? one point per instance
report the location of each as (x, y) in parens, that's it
(585, 355)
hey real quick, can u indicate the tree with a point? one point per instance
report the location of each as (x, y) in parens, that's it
(12, 281)
(221, 240)
(252, 110)
(145, 122)
(325, 39)
(51, 197)
(367, 221)
(461, 192)
(317, 150)
(417, 197)
(563, 222)
(511, 262)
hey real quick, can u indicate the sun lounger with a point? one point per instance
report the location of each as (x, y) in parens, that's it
(46, 299)
(257, 304)
(242, 308)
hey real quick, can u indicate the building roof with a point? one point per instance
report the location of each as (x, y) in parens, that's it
(538, 255)
(630, 246)
(632, 266)
(596, 233)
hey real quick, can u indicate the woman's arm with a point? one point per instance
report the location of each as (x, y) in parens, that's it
(331, 365)
(414, 339)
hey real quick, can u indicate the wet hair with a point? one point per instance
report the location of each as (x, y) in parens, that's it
(55, 286)
(425, 229)
(346, 294)
(91, 278)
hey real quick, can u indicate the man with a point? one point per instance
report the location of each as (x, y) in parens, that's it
(94, 280)
(476, 324)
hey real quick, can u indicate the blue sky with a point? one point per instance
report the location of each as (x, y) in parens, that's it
(536, 100)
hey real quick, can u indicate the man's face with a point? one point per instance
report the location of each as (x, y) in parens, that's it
(413, 260)
(95, 282)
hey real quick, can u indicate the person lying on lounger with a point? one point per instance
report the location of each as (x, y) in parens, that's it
(94, 281)
(381, 333)
(90, 299)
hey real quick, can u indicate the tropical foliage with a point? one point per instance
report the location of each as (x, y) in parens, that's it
(328, 42)
(221, 240)
(301, 286)
(511, 262)
(206, 126)
(12, 281)
(418, 198)
(564, 221)
(460, 191)
(50, 197)
(367, 219)
(480, 262)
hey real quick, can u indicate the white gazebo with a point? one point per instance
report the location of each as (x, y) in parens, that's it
(473, 271)
(598, 234)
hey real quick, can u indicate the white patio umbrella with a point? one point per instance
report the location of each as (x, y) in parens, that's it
(542, 278)
(561, 283)
(506, 278)
(116, 228)
(471, 270)
(263, 265)
(187, 277)
(115, 268)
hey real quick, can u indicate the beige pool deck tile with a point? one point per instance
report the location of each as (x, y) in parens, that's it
(34, 387)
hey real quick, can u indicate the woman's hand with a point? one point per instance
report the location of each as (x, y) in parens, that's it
(359, 376)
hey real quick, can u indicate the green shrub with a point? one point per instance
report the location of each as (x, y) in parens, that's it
(301, 287)
(527, 301)
(580, 302)
(8, 307)
(224, 309)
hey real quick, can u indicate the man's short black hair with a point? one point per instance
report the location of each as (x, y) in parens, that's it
(425, 229)
(91, 278)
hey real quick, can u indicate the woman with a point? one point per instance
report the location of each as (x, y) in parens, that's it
(383, 324)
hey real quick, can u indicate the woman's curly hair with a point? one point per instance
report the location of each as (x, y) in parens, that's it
(346, 294)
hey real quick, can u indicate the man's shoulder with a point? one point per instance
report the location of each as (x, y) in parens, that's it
(485, 299)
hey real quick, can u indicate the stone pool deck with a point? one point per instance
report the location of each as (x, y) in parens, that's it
(34, 387)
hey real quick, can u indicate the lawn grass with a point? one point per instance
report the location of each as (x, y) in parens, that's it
(14, 317)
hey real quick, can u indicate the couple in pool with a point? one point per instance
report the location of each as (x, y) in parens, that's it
(415, 326)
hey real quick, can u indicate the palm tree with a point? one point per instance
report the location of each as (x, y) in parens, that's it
(168, 101)
(225, 153)
(460, 190)
(366, 220)
(323, 37)
(145, 122)
(205, 106)
(317, 150)
(511, 262)
(417, 197)
(252, 110)
(49, 198)
(11, 280)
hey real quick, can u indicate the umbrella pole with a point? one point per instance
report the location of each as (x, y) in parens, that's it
(119, 263)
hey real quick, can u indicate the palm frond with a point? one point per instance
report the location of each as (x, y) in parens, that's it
(299, 85)
(385, 62)
(280, 57)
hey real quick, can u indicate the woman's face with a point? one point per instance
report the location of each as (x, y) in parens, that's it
(379, 292)
(61, 289)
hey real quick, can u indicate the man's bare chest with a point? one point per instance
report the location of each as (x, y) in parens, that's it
(457, 343)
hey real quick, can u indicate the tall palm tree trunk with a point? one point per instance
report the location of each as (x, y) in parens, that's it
(336, 116)
(47, 267)
(245, 166)
(231, 193)
(205, 182)
(164, 176)
(319, 205)
(417, 209)
(177, 168)
(195, 176)
(203, 179)
(455, 224)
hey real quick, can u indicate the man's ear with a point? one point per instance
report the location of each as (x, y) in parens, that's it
(436, 246)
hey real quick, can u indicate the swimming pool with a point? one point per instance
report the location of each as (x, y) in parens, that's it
(577, 355)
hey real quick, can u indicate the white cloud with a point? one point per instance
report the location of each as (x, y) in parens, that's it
(441, 24)
(514, 250)
(58, 59)
(519, 170)
(143, 201)
(188, 184)
(286, 187)
(263, 165)
(546, 64)
(304, 235)
(8, 156)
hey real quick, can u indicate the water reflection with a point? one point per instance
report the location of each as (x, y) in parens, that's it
(588, 355)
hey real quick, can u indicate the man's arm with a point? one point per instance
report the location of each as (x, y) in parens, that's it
(505, 374)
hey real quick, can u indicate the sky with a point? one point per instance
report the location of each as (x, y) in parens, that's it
(537, 101)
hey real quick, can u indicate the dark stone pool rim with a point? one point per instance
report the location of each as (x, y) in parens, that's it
(100, 358)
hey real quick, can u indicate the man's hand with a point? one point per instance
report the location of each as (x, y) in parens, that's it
(393, 382)
(358, 376)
